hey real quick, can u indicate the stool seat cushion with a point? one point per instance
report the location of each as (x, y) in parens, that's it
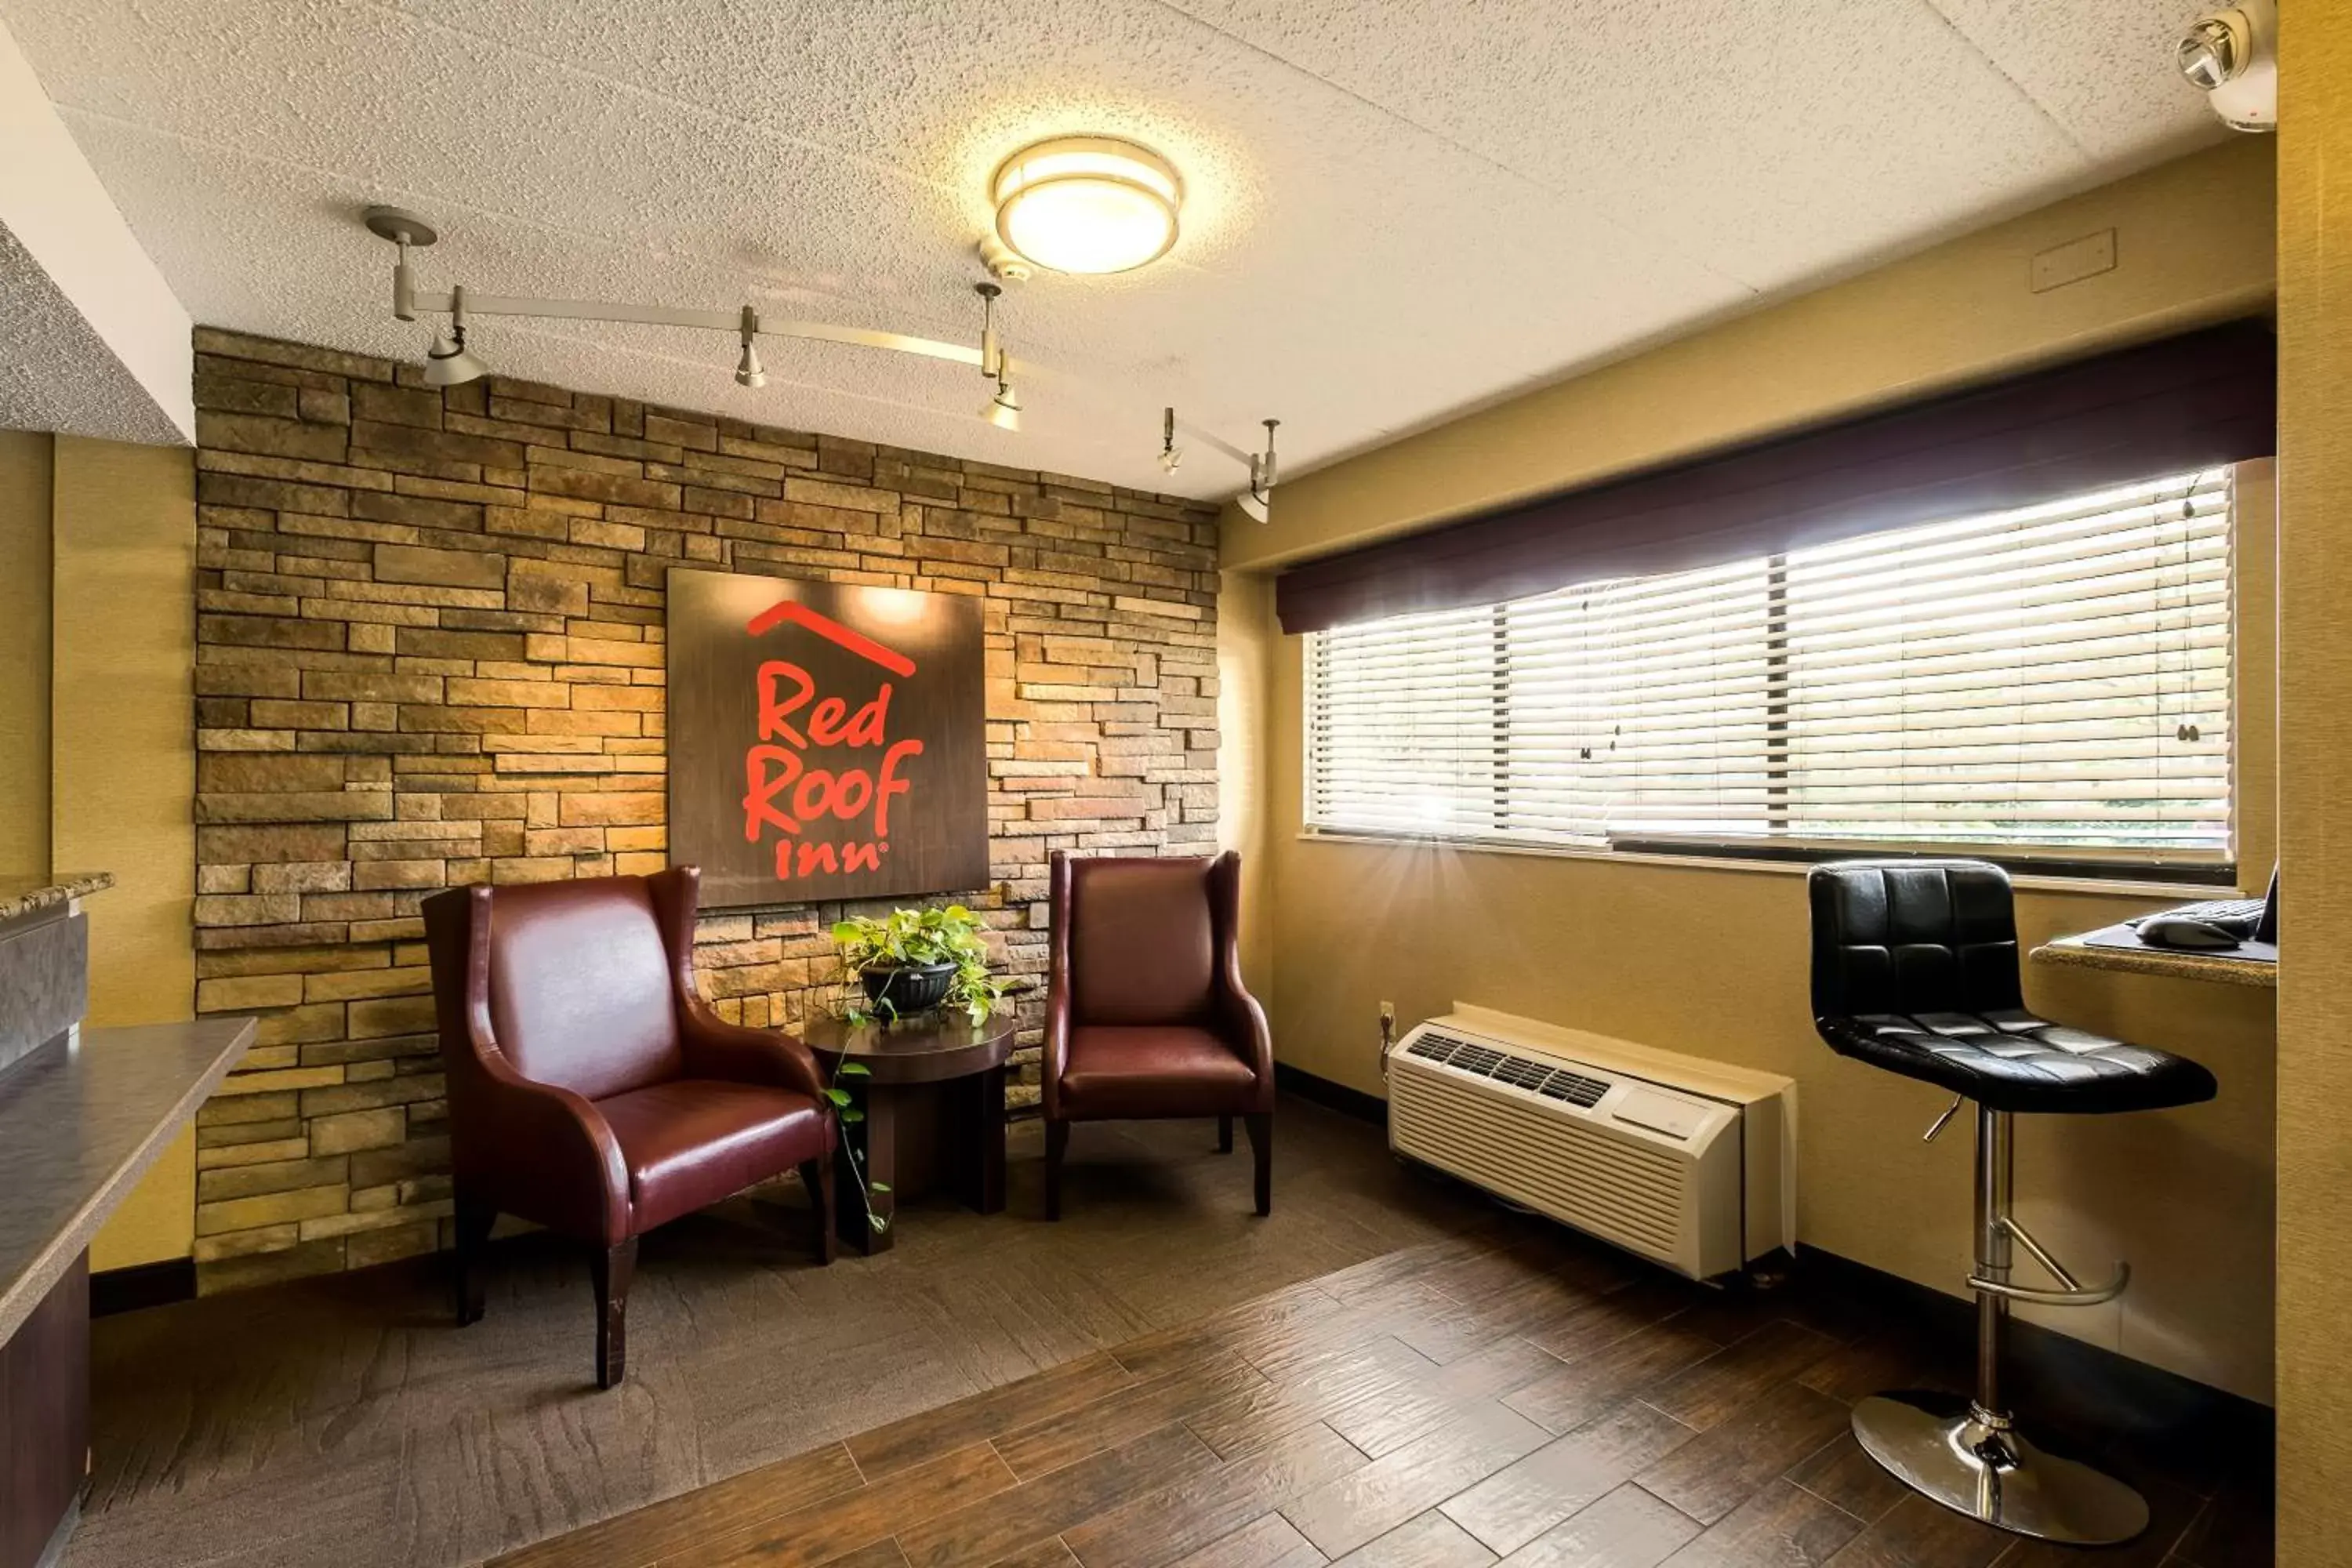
(1914, 971)
(2008, 1059)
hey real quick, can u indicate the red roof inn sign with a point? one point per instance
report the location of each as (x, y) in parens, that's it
(825, 742)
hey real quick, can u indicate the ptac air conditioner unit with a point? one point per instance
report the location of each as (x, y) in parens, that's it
(1690, 1163)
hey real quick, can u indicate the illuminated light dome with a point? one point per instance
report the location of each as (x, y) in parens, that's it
(1088, 204)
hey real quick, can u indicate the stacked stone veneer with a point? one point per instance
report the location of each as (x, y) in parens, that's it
(430, 654)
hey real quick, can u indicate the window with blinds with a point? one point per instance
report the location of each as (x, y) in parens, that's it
(2049, 683)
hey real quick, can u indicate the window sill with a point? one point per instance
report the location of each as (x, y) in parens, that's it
(2108, 886)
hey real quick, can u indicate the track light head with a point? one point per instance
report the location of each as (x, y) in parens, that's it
(749, 371)
(1003, 410)
(450, 362)
(1257, 502)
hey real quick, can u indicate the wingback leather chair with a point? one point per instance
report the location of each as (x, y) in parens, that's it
(592, 1091)
(1146, 1015)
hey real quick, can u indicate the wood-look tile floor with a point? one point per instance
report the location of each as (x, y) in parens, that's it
(345, 1421)
(1389, 1373)
(1522, 1397)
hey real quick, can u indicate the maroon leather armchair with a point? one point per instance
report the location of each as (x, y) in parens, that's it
(592, 1091)
(1146, 1015)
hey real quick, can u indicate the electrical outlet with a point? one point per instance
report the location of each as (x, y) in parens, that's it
(1387, 1012)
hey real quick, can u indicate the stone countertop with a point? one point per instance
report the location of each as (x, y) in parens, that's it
(80, 1121)
(23, 895)
(2083, 952)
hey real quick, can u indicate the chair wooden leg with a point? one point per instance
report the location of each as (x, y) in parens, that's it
(612, 1268)
(1057, 1143)
(475, 1218)
(816, 1175)
(1225, 1134)
(1260, 1137)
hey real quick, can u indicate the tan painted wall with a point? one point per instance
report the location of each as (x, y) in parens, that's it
(122, 763)
(2315, 1066)
(24, 651)
(1246, 645)
(2193, 240)
(1711, 960)
(124, 715)
(96, 740)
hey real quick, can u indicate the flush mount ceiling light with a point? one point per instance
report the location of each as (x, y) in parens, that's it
(1085, 203)
(450, 362)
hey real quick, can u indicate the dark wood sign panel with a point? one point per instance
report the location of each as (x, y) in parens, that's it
(825, 742)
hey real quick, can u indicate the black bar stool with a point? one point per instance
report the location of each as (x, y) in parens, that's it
(1914, 971)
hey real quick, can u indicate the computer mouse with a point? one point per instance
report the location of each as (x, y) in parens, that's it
(2171, 930)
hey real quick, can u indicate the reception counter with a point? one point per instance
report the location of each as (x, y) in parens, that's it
(83, 1114)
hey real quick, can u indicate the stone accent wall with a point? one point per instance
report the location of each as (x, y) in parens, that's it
(430, 654)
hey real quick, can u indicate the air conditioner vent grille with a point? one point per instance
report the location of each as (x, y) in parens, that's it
(1477, 1059)
(1574, 1087)
(1553, 1083)
(1617, 1189)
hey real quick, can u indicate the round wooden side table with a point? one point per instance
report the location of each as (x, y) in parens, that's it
(933, 1094)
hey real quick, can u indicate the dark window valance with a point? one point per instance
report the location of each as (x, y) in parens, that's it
(2188, 402)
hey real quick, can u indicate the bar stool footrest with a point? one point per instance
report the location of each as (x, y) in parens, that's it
(2080, 1297)
(1939, 1448)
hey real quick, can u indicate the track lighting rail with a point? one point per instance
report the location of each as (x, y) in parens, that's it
(463, 305)
(410, 305)
(1258, 500)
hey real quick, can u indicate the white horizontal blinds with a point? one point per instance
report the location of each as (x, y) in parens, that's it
(1403, 724)
(1638, 705)
(2052, 678)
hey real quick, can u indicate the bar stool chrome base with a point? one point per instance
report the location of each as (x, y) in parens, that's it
(1989, 1472)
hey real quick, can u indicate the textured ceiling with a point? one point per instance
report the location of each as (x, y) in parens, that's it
(60, 374)
(1394, 212)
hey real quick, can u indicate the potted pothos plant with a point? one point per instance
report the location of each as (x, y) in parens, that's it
(912, 961)
(908, 961)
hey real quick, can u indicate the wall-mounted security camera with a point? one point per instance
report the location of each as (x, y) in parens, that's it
(2232, 56)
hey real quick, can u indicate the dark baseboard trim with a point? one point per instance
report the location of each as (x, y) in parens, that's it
(142, 1285)
(55, 1552)
(2045, 1370)
(1289, 1080)
(1353, 1102)
(2040, 1361)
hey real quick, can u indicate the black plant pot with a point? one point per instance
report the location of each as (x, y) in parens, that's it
(907, 987)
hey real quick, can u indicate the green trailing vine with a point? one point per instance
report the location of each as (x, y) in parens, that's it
(846, 1108)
